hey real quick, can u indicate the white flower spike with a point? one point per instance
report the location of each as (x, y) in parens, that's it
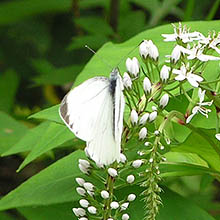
(199, 108)
(183, 74)
(132, 66)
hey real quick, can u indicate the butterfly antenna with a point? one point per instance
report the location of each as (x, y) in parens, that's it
(123, 58)
(101, 58)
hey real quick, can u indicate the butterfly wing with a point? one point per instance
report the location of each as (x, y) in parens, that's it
(87, 110)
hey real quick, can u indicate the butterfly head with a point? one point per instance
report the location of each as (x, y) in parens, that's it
(114, 74)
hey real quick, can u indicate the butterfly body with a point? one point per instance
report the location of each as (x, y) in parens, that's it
(93, 111)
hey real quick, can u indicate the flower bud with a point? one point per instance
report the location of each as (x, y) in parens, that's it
(154, 53)
(80, 181)
(131, 197)
(143, 49)
(125, 217)
(124, 206)
(154, 108)
(114, 205)
(164, 73)
(92, 210)
(217, 136)
(137, 163)
(122, 158)
(151, 160)
(80, 191)
(147, 85)
(84, 203)
(130, 179)
(164, 100)
(89, 186)
(152, 116)
(148, 48)
(84, 163)
(127, 81)
(112, 172)
(156, 132)
(83, 169)
(176, 53)
(147, 144)
(134, 117)
(143, 133)
(104, 194)
(83, 218)
(143, 119)
(132, 66)
(91, 193)
(79, 212)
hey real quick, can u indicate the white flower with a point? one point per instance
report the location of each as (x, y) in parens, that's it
(124, 206)
(143, 119)
(183, 74)
(143, 133)
(199, 108)
(147, 85)
(79, 212)
(104, 194)
(89, 186)
(92, 210)
(164, 100)
(152, 116)
(80, 181)
(112, 172)
(80, 191)
(132, 66)
(114, 205)
(134, 117)
(130, 179)
(127, 81)
(148, 48)
(183, 34)
(125, 217)
(122, 158)
(131, 197)
(218, 136)
(197, 52)
(84, 203)
(164, 73)
(137, 163)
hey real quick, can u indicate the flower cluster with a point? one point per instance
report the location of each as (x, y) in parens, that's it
(148, 87)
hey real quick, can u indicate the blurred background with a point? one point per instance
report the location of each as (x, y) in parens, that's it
(42, 51)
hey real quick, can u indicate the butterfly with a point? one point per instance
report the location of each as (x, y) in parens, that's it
(94, 111)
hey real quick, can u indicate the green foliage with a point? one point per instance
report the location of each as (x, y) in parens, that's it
(43, 45)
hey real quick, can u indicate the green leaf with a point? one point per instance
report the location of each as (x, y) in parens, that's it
(51, 114)
(53, 136)
(55, 184)
(198, 144)
(48, 74)
(118, 52)
(10, 131)
(8, 87)
(176, 207)
(188, 158)
(4, 216)
(25, 8)
(29, 140)
(55, 212)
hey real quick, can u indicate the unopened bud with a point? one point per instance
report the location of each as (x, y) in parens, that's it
(164, 100)
(164, 73)
(104, 194)
(132, 66)
(127, 81)
(125, 217)
(130, 179)
(112, 172)
(137, 163)
(92, 210)
(152, 116)
(131, 197)
(134, 117)
(144, 118)
(147, 85)
(114, 205)
(122, 158)
(143, 133)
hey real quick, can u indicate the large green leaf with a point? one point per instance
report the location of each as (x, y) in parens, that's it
(4, 216)
(29, 140)
(49, 114)
(55, 184)
(53, 136)
(8, 87)
(10, 131)
(202, 142)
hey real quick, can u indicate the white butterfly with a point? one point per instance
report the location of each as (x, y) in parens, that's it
(93, 111)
